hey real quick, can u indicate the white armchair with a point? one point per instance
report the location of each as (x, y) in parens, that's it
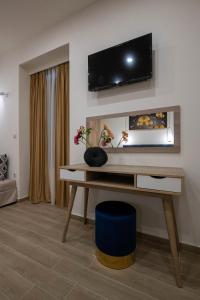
(8, 189)
(8, 192)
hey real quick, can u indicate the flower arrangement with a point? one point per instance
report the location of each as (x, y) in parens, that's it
(106, 137)
(124, 138)
(82, 136)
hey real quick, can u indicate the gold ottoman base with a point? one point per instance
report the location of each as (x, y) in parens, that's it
(115, 262)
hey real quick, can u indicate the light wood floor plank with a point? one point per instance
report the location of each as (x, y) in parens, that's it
(43, 277)
(26, 218)
(99, 284)
(154, 287)
(80, 293)
(3, 296)
(38, 214)
(186, 256)
(17, 219)
(37, 294)
(9, 226)
(27, 248)
(147, 256)
(34, 264)
(53, 232)
(13, 285)
(62, 250)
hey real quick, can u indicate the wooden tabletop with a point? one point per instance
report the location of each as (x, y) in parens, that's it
(129, 169)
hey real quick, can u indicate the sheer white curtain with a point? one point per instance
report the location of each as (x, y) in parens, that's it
(51, 86)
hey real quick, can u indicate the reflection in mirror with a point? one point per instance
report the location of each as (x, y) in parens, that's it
(158, 129)
(141, 130)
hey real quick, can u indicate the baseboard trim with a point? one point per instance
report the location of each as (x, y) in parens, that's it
(22, 199)
(79, 218)
(150, 238)
(165, 242)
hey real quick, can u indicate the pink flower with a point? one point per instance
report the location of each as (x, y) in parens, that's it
(76, 140)
(78, 136)
(79, 133)
(82, 135)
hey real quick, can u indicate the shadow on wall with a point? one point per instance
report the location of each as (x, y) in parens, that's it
(148, 209)
(139, 90)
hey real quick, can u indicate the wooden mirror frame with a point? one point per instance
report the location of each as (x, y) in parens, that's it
(92, 122)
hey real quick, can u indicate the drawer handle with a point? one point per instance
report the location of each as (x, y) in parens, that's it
(158, 177)
(71, 170)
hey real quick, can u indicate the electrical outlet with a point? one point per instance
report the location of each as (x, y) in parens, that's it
(14, 175)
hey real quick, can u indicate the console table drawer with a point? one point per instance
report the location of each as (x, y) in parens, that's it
(72, 175)
(167, 184)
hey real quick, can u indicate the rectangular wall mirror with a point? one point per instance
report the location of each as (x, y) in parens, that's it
(154, 130)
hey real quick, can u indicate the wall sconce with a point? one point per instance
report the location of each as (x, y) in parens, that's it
(170, 135)
(2, 101)
(4, 94)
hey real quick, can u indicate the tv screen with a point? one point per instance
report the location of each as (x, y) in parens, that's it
(122, 64)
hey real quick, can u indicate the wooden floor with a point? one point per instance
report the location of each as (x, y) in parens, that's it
(35, 265)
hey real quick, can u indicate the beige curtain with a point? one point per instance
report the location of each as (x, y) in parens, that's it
(39, 190)
(62, 131)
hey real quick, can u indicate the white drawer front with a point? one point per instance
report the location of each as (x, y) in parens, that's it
(72, 175)
(167, 184)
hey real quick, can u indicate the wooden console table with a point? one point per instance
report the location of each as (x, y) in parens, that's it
(153, 181)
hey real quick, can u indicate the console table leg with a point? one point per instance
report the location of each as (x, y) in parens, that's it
(176, 231)
(173, 236)
(69, 211)
(86, 197)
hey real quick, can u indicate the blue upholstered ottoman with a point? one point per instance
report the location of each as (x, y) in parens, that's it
(115, 234)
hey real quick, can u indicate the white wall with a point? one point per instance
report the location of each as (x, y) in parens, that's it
(9, 115)
(24, 130)
(47, 60)
(175, 26)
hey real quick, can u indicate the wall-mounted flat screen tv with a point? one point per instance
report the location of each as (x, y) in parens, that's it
(122, 64)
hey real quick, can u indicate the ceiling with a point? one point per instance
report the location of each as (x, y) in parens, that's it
(21, 19)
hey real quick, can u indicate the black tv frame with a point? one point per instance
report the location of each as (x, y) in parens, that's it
(134, 80)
